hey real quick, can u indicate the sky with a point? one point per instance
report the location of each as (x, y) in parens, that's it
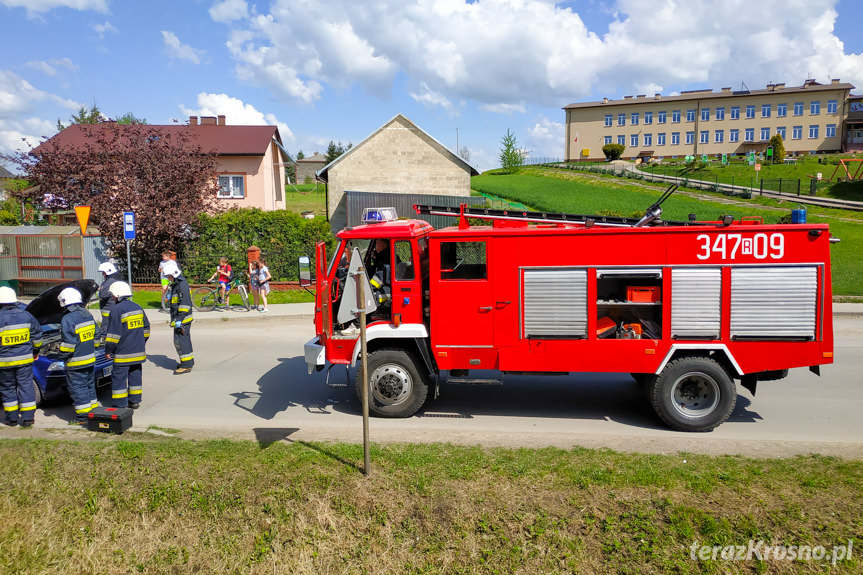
(465, 72)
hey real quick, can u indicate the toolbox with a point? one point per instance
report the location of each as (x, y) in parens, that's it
(109, 419)
(642, 294)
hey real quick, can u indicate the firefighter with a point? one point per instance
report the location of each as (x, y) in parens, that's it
(109, 276)
(78, 348)
(20, 340)
(125, 338)
(381, 288)
(181, 318)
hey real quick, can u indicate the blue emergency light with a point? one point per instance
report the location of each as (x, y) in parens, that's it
(378, 215)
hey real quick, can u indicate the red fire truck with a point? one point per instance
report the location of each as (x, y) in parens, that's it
(687, 308)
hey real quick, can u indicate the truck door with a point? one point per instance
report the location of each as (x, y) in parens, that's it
(462, 306)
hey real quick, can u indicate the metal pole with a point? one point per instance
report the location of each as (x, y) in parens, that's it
(129, 261)
(361, 305)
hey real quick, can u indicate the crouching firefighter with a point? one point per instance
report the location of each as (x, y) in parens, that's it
(78, 349)
(125, 339)
(181, 317)
(20, 339)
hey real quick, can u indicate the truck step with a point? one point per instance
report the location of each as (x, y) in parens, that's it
(474, 381)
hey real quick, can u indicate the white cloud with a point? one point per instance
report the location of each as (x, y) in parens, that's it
(40, 6)
(229, 10)
(50, 68)
(432, 99)
(505, 109)
(237, 114)
(20, 105)
(180, 51)
(102, 29)
(545, 139)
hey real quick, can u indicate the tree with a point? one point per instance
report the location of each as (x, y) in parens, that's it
(778, 148)
(129, 118)
(464, 153)
(164, 176)
(300, 155)
(335, 150)
(85, 115)
(613, 151)
(511, 157)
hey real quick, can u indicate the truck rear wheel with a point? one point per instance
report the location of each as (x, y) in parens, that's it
(693, 394)
(396, 387)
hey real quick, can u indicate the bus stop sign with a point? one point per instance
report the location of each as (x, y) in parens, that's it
(129, 225)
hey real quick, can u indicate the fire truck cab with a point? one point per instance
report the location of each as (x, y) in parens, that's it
(687, 308)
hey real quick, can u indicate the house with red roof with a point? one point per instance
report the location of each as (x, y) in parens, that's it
(251, 159)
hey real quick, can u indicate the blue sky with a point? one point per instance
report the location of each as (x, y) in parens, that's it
(465, 72)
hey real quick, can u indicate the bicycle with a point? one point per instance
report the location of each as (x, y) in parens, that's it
(207, 298)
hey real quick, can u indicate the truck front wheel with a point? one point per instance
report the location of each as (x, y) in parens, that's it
(693, 394)
(396, 387)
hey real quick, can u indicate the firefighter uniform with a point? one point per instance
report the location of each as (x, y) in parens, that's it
(20, 338)
(381, 289)
(105, 299)
(181, 321)
(126, 335)
(78, 348)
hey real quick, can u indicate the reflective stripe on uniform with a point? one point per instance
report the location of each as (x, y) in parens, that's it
(112, 338)
(83, 360)
(184, 308)
(15, 334)
(10, 406)
(187, 357)
(376, 283)
(84, 408)
(135, 390)
(17, 360)
(129, 357)
(27, 406)
(119, 394)
(67, 347)
(187, 319)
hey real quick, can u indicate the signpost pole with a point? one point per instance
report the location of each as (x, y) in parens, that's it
(129, 261)
(361, 298)
(129, 235)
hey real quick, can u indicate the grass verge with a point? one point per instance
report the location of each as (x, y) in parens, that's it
(166, 505)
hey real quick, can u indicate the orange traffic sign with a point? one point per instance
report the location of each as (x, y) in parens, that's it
(83, 215)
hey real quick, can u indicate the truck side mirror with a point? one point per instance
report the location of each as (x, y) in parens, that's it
(305, 269)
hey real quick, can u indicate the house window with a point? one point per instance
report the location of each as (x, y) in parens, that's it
(720, 113)
(781, 131)
(798, 108)
(621, 119)
(734, 135)
(690, 137)
(232, 187)
(750, 112)
(749, 135)
(831, 131)
(796, 132)
(704, 137)
(690, 115)
(675, 138)
(621, 140)
(648, 117)
(608, 120)
(765, 133)
(660, 138)
(815, 108)
(813, 131)
(718, 136)
(781, 110)
(831, 106)
(633, 140)
(735, 112)
(634, 118)
(765, 110)
(607, 140)
(705, 114)
(660, 117)
(648, 139)
(675, 116)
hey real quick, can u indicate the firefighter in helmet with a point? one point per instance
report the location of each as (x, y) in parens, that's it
(379, 277)
(181, 318)
(109, 276)
(125, 338)
(78, 348)
(20, 340)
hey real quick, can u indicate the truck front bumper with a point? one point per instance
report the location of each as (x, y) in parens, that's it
(315, 355)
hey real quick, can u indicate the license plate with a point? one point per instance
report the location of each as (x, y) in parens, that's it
(107, 371)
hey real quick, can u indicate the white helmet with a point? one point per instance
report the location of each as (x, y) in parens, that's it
(120, 289)
(171, 269)
(7, 295)
(69, 296)
(107, 268)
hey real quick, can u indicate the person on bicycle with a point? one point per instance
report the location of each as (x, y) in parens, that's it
(223, 273)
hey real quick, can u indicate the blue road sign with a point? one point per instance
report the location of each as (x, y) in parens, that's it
(129, 225)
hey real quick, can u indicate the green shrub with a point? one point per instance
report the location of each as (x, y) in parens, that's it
(613, 151)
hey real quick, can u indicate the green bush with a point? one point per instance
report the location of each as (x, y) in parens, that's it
(613, 151)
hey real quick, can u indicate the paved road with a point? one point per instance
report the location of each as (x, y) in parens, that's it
(250, 382)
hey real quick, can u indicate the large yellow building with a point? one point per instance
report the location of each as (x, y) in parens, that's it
(810, 118)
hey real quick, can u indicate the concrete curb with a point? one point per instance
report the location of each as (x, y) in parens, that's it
(275, 311)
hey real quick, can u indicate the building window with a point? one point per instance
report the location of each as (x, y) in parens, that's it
(796, 132)
(675, 138)
(781, 131)
(608, 120)
(648, 117)
(232, 187)
(813, 131)
(621, 119)
(675, 116)
(735, 112)
(690, 115)
(734, 135)
(749, 135)
(765, 110)
(660, 117)
(660, 139)
(608, 140)
(648, 139)
(621, 140)
(781, 110)
(831, 106)
(690, 137)
(750, 112)
(704, 137)
(765, 134)
(815, 108)
(798, 108)
(720, 113)
(718, 136)
(633, 140)
(634, 118)
(705, 114)
(831, 131)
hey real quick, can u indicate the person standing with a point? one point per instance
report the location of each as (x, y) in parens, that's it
(125, 341)
(109, 276)
(78, 349)
(260, 274)
(20, 340)
(167, 256)
(181, 318)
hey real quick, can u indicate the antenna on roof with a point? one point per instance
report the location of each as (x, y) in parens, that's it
(743, 86)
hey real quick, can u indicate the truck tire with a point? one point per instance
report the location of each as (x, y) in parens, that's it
(396, 387)
(693, 394)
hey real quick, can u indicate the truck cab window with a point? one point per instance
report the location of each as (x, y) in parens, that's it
(404, 261)
(463, 261)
